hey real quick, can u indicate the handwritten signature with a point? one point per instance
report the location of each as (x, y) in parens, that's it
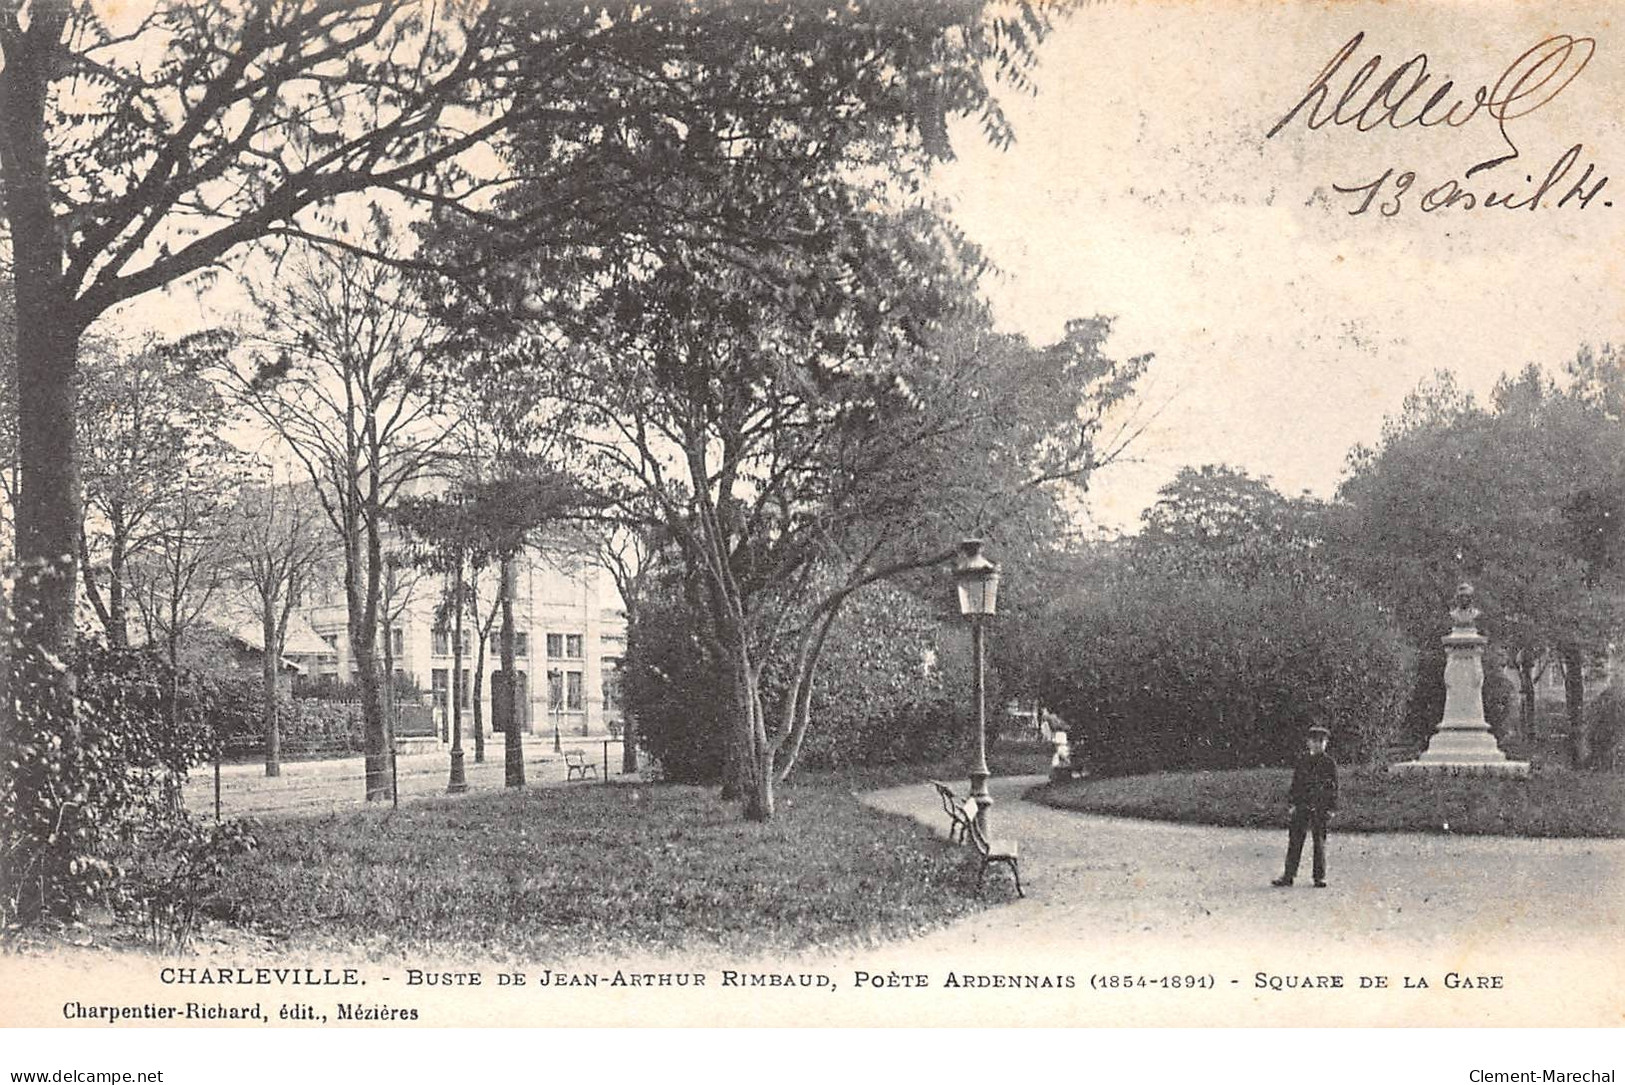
(1530, 82)
(1404, 98)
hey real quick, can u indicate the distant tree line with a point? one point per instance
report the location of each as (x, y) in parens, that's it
(1238, 615)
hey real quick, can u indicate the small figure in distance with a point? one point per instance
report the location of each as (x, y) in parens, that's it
(1313, 798)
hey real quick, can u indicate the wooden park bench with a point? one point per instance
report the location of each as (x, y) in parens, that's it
(576, 766)
(951, 804)
(996, 851)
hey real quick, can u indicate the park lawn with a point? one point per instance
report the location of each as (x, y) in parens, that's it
(547, 873)
(1553, 802)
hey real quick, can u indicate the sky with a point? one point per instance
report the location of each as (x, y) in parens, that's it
(1142, 186)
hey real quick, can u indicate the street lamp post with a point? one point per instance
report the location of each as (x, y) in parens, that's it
(977, 579)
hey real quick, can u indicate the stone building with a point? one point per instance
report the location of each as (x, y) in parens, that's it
(569, 644)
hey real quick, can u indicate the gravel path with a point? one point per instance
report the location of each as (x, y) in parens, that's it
(1119, 894)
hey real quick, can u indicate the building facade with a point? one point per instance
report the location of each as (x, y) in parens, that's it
(570, 641)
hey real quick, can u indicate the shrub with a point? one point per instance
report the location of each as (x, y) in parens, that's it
(1155, 673)
(879, 694)
(139, 726)
(176, 872)
(309, 727)
(677, 693)
(1605, 717)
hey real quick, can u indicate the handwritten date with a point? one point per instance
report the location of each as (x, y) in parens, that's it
(1388, 194)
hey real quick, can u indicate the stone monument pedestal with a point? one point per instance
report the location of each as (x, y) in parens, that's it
(1463, 745)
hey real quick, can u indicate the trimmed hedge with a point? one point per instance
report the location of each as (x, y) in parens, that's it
(310, 728)
(1155, 673)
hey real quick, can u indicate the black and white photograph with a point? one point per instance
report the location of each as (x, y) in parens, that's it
(775, 514)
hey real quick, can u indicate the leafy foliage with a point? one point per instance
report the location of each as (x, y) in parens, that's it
(1154, 673)
(1515, 496)
(143, 725)
(176, 874)
(309, 726)
(1219, 521)
(881, 696)
(1607, 726)
(153, 458)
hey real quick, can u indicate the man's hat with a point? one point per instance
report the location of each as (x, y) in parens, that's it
(1320, 729)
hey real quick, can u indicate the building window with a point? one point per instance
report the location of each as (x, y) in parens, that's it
(440, 683)
(573, 700)
(397, 641)
(521, 643)
(555, 646)
(611, 681)
(468, 684)
(440, 642)
(572, 646)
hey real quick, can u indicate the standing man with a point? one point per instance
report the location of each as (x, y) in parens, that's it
(1313, 798)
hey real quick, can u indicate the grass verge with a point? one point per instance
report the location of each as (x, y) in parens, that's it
(550, 873)
(1550, 803)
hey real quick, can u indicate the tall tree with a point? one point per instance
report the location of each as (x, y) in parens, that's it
(345, 381)
(174, 580)
(798, 446)
(150, 437)
(625, 550)
(144, 146)
(441, 537)
(280, 541)
(1490, 493)
(1217, 521)
(141, 153)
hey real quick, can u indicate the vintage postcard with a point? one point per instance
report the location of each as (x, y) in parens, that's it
(1303, 212)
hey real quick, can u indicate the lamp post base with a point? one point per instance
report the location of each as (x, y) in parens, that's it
(458, 783)
(984, 800)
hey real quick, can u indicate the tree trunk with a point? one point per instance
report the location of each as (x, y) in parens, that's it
(361, 588)
(484, 631)
(1526, 694)
(755, 755)
(41, 745)
(629, 728)
(376, 735)
(458, 781)
(732, 786)
(44, 737)
(92, 591)
(513, 745)
(629, 598)
(479, 711)
(118, 610)
(1574, 696)
(457, 660)
(386, 630)
(798, 708)
(273, 734)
